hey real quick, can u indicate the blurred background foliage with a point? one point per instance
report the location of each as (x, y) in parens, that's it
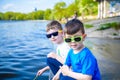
(60, 11)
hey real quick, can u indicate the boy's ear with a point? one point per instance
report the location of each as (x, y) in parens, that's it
(84, 35)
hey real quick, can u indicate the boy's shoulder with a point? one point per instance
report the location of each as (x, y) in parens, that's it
(86, 50)
(87, 53)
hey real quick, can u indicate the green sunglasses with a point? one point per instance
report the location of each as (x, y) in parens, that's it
(73, 39)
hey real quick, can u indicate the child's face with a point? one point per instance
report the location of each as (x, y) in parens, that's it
(75, 41)
(55, 36)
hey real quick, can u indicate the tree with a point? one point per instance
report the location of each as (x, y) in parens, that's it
(59, 10)
(47, 14)
(20, 16)
(1, 16)
(87, 7)
(36, 15)
(73, 8)
(9, 16)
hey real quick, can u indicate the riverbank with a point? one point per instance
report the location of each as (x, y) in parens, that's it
(108, 33)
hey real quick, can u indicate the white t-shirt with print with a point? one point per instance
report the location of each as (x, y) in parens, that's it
(62, 50)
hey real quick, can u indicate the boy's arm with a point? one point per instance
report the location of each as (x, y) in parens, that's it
(43, 70)
(79, 76)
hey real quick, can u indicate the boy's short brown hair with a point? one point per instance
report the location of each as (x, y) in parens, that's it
(54, 25)
(73, 26)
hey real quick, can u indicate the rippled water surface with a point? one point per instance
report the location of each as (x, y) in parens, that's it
(23, 50)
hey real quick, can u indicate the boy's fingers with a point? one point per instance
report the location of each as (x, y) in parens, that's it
(39, 73)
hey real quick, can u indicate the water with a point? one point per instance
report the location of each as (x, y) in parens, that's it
(23, 50)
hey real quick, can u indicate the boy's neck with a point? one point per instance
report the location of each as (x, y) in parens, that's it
(81, 48)
(60, 42)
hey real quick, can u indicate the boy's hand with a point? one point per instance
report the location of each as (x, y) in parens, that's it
(40, 72)
(65, 70)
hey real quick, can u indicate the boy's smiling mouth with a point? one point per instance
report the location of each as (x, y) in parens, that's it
(73, 45)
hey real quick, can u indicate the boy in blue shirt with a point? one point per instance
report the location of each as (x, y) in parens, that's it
(80, 63)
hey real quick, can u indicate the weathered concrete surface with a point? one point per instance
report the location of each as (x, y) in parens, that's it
(103, 33)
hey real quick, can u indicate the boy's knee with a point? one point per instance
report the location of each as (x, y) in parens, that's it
(51, 54)
(49, 60)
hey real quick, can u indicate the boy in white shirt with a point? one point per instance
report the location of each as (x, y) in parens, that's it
(54, 60)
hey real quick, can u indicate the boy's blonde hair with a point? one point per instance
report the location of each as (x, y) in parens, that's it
(54, 25)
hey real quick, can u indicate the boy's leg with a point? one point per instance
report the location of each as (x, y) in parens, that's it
(51, 75)
(53, 64)
(65, 77)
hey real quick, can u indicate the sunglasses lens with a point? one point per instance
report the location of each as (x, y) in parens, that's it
(55, 34)
(67, 40)
(77, 39)
(48, 35)
(52, 34)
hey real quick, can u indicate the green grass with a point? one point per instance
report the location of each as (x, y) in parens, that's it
(114, 25)
(88, 25)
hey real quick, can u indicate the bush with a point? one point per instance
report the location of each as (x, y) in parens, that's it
(114, 25)
(104, 26)
(115, 34)
(88, 25)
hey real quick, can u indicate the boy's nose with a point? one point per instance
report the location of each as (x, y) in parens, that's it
(52, 36)
(72, 41)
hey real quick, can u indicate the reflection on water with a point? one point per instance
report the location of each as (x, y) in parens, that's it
(23, 50)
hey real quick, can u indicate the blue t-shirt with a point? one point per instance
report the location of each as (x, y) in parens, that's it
(83, 62)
